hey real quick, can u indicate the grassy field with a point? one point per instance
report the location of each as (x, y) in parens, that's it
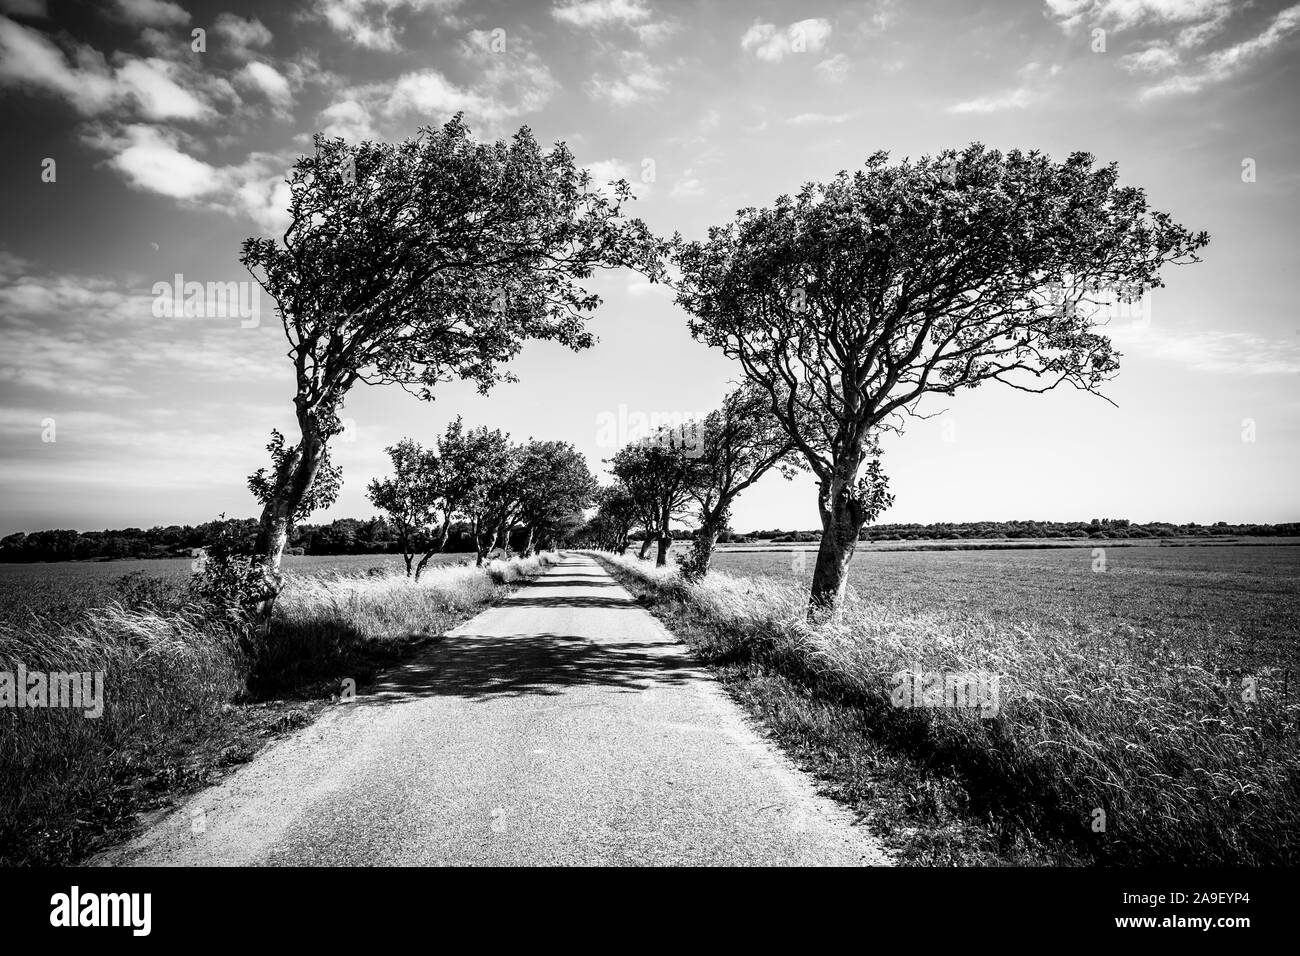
(61, 591)
(1124, 734)
(1239, 604)
(183, 699)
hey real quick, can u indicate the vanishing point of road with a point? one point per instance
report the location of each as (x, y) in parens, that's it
(565, 726)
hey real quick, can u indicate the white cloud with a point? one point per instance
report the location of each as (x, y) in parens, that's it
(768, 42)
(638, 80)
(819, 119)
(369, 23)
(152, 84)
(1154, 59)
(153, 13)
(28, 59)
(348, 119)
(1120, 14)
(240, 34)
(269, 81)
(688, 186)
(599, 13)
(835, 68)
(1229, 62)
(1219, 353)
(1032, 76)
(151, 159)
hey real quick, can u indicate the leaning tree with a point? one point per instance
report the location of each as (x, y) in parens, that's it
(657, 472)
(420, 262)
(852, 300)
(739, 443)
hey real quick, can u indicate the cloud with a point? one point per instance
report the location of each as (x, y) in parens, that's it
(819, 119)
(269, 81)
(638, 80)
(688, 186)
(151, 159)
(834, 69)
(152, 84)
(153, 13)
(30, 60)
(767, 42)
(348, 119)
(240, 34)
(601, 13)
(1154, 59)
(369, 23)
(1032, 77)
(1231, 61)
(1219, 353)
(1121, 14)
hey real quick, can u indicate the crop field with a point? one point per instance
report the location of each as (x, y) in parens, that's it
(1238, 603)
(62, 590)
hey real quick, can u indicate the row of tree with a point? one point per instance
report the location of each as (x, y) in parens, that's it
(843, 306)
(481, 477)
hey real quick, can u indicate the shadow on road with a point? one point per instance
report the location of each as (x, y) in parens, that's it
(480, 667)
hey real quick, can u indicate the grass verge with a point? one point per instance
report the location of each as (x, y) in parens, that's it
(1105, 748)
(182, 705)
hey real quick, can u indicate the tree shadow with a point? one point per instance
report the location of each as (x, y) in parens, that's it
(574, 582)
(480, 667)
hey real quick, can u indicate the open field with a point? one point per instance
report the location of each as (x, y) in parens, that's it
(183, 698)
(1133, 718)
(64, 589)
(1240, 603)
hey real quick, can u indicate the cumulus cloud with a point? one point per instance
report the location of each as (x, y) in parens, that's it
(239, 34)
(268, 81)
(773, 44)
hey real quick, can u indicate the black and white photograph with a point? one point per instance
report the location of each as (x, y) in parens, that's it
(656, 435)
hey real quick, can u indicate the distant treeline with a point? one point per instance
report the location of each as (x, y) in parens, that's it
(1096, 528)
(344, 536)
(377, 536)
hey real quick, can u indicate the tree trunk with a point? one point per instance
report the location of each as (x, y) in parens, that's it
(439, 545)
(842, 519)
(706, 539)
(645, 546)
(293, 481)
(528, 544)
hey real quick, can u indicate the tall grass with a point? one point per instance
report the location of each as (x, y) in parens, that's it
(1128, 748)
(170, 667)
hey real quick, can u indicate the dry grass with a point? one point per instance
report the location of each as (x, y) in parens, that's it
(1143, 729)
(172, 673)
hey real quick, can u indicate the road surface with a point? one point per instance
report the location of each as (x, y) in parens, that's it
(565, 726)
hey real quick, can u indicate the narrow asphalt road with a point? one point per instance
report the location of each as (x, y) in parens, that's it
(566, 726)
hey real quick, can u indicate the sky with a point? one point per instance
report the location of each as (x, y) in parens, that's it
(138, 150)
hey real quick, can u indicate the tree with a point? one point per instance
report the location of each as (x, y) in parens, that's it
(738, 443)
(483, 463)
(420, 262)
(555, 482)
(851, 301)
(411, 497)
(616, 513)
(657, 473)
